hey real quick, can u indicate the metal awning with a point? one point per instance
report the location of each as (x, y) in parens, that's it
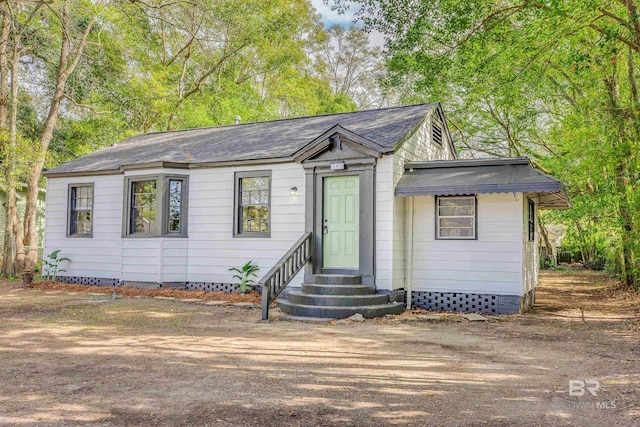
(481, 176)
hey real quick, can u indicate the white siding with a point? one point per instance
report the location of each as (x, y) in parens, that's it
(212, 247)
(209, 251)
(530, 254)
(492, 264)
(100, 256)
(174, 260)
(141, 259)
(419, 147)
(384, 222)
(144, 259)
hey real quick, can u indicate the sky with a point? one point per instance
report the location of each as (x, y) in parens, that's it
(331, 17)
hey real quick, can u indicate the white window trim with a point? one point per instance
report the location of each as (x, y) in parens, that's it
(474, 216)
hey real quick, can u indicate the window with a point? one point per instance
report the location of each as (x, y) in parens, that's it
(80, 210)
(156, 206)
(143, 206)
(456, 217)
(175, 206)
(531, 220)
(253, 204)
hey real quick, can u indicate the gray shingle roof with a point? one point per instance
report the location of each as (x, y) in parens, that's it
(480, 176)
(276, 139)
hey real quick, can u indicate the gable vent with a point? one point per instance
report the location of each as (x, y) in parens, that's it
(437, 133)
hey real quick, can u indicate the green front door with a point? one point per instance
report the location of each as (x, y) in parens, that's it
(341, 223)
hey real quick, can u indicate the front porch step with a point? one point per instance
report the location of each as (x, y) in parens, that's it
(306, 319)
(316, 289)
(303, 298)
(339, 312)
(337, 279)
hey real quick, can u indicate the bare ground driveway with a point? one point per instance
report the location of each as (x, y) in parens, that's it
(74, 359)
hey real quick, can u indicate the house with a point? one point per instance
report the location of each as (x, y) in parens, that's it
(344, 213)
(21, 195)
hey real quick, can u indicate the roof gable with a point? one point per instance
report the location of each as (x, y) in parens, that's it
(346, 140)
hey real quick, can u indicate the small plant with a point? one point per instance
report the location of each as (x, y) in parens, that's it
(52, 265)
(244, 276)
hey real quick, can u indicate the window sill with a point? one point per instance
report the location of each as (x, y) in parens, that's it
(456, 238)
(252, 236)
(80, 236)
(155, 236)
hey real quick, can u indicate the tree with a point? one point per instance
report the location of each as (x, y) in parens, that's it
(182, 54)
(75, 32)
(352, 66)
(556, 81)
(96, 72)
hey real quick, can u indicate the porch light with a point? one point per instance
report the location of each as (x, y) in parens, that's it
(293, 191)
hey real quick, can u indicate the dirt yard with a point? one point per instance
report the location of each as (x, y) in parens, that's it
(85, 359)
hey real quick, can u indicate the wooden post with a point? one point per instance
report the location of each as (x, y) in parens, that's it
(266, 291)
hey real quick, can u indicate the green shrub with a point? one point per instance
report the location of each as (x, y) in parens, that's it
(244, 276)
(52, 265)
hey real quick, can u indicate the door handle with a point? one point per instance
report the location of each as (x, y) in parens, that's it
(325, 229)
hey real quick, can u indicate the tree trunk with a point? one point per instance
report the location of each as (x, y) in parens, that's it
(4, 68)
(8, 259)
(623, 154)
(10, 166)
(549, 258)
(33, 179)
(68, 61)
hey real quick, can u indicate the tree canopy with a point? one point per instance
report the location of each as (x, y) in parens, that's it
(555, 81)
(79, 75)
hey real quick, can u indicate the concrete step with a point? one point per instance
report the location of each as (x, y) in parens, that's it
(303, 298)
(333, 312)
(337, 279)
(316, 289)
(306, 319)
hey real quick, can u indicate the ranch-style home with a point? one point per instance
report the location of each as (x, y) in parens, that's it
(365, 212)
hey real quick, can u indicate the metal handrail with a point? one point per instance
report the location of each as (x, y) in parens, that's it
(284, 271)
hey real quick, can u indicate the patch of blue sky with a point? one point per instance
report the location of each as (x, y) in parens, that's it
(332, 17)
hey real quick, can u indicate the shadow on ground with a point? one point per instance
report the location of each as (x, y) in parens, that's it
(71, 359)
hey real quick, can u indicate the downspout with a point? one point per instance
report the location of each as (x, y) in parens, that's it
(409, 252)
(161, 260)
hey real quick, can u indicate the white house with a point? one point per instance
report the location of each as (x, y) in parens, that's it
(353, 212)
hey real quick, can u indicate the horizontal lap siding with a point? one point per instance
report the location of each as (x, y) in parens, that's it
(100, 256)
(145, 259)
(489, 265)
(212, 249)
(175, 259)
(419, 147)
(141, 259)
(208, 252)
(384, 223)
